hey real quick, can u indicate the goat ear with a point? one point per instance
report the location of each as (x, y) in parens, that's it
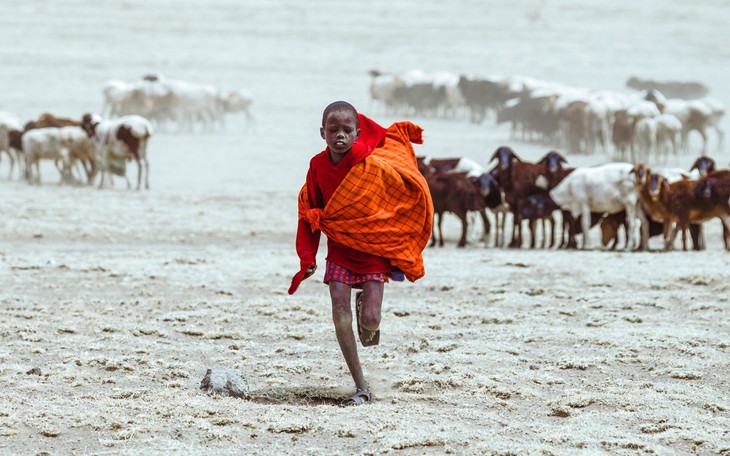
(499, 149)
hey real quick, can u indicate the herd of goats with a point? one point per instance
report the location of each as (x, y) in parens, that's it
(650, 122)
(642, 200)
(646, 125)
(102, 144)
(640, 127)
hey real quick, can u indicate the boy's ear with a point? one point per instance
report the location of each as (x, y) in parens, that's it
(358, 133)
(321, 132)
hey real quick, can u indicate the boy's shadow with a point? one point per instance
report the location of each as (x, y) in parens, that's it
(298, 395)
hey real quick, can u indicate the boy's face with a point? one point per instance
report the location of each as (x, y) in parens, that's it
(340, 132)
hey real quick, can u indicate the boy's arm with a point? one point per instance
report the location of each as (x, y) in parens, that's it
(307, 245)
(307, 242)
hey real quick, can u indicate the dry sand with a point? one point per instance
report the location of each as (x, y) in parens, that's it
(123, 299)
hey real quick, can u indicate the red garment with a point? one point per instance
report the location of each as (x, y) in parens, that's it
(339, 274)
(323, 178)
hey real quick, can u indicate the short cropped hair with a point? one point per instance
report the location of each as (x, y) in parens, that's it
(339, 106)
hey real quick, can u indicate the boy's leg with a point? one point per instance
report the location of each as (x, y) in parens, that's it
(372, 304)
(342, 318)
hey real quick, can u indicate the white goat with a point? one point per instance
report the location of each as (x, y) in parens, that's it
(9, 122)
(80, 149)
(118, 140)
(605, 188)
(122, 98)
(668, 135)
(454, 98)
(645, 133)
(235, 101)
(194, 103)
(44, 144)
(382, 89)
(696, 115)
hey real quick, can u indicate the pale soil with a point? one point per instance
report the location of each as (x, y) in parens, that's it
(122, 299)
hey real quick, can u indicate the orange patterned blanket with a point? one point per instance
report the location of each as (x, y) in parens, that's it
(383, 206)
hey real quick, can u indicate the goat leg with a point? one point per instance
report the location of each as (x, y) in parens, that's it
(464, 229)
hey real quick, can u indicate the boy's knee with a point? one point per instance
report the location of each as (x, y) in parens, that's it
(341, 317)
(370, 320)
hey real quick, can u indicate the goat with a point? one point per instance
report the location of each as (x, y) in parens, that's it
(704, 165)
(605, 188)
(674, 89)
(44, 144)
(539, 207)
(668, 135)
(691, 201)
(649, 185)
(493, 196)
(622, 134)
(695, 115)
(577, 118)
(645, 133)
(235, 101)
(382, 89)
(520, 179)
(481, 94)
(472, 169)
(8, 123)
(120, 139)
(612, 223)
(47, 120)
(455, 193)
(80, 149)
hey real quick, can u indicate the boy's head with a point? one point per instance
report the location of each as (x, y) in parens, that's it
(340, 128)
(339, 106)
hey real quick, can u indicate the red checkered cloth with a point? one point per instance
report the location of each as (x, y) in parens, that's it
(343, 275)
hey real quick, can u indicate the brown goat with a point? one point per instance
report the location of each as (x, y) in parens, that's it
(578, 120)
(520, 179)
(704, 165)
(649, 186)
(46, 120)
(696, 202)
(458, 194)
(622, 134)
(429, 167)
(539, 208)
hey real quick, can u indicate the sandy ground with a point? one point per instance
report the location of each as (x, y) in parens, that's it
(123, 299)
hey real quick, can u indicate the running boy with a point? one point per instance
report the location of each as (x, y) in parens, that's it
(342, 204)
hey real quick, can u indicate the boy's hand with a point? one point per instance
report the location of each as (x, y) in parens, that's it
(301, 275)
(310, 270)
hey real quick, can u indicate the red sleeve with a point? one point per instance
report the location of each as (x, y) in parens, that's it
(307, 240)
(307, 244)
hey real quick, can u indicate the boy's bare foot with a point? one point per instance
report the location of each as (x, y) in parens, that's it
(367, 337)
